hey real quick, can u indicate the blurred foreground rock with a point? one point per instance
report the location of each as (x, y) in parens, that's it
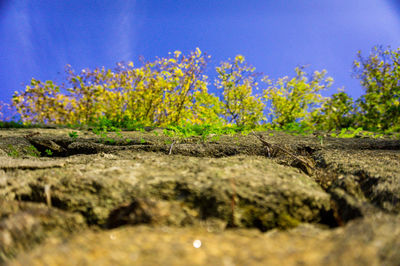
(371, 241)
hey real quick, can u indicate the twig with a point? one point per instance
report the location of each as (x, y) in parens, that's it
(269, 146)
(31, 134)
(170, 148)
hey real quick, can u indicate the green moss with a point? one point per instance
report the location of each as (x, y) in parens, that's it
(13, 152)
(285, 221)
(32, 151)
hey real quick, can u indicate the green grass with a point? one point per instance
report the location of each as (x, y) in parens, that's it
(13, 124)
(205, 133)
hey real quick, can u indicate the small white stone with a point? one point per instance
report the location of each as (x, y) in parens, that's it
(197, 243)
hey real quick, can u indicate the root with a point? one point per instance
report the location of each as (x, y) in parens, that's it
(271, 147)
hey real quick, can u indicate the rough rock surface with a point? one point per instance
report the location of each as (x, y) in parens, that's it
(24, 224)
(135, 198)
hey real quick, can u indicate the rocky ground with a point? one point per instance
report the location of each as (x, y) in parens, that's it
(146, 199)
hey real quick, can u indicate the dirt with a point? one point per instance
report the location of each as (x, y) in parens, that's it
(146, 199)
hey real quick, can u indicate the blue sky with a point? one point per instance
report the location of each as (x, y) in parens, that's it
(39, 37)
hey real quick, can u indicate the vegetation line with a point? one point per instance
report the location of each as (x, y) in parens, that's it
(173, 92)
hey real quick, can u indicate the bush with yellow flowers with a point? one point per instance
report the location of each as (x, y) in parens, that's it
(296, 99)
(237, 81)
(174, 91)
(167, 91)
(170, 91)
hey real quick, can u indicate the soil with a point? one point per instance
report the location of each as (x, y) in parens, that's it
(147, 199)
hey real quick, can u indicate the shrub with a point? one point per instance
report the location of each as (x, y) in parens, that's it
(295, 100)
(42, 102)
(173, 91)
(182, 78)
(379, 74)
(335, 113)
(237, 80)
(86, 97)
(159, 93)
(207, 108)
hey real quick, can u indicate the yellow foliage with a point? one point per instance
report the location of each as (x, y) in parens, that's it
(159, 93)
(169, 91)
(295, 99)
(237, 81)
